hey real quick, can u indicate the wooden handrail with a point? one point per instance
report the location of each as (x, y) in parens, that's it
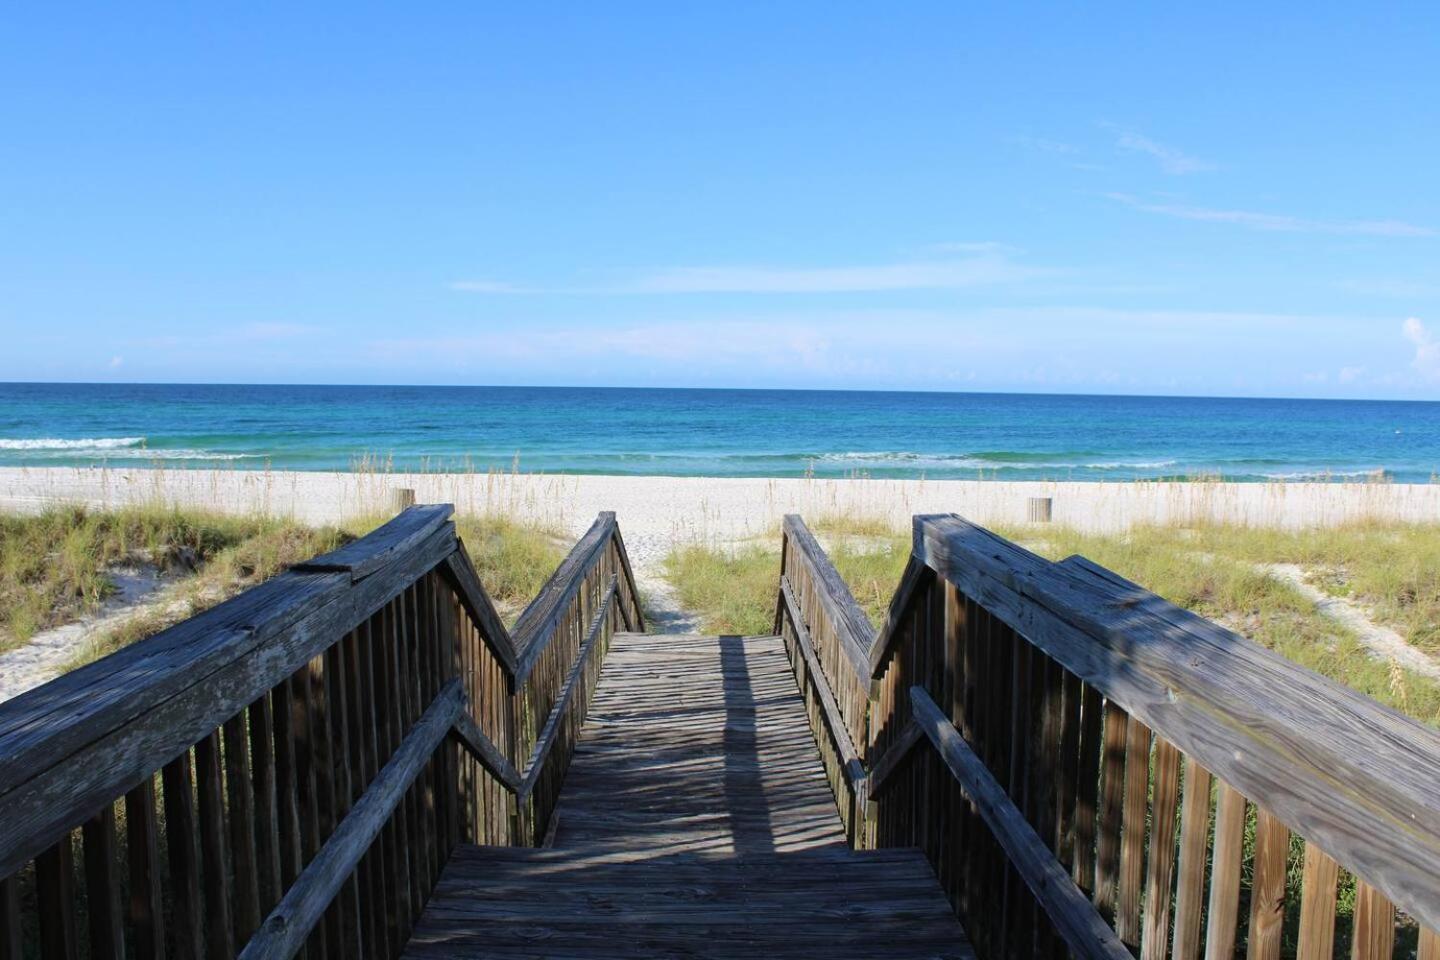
(1076, 919)
(1346, 772)
(536, 624)
(284, 931)
(549, 735)
(848, 620)
(834, 722)
(304, 775)
(76, 743)
(1020, 648)
(479, 746)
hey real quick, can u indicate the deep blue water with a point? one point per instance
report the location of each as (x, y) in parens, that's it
(716, 432)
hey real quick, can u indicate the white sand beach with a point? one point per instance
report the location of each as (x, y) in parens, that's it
(657, 512)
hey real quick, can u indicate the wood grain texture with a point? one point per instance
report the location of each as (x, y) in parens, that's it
(1074, 917)
(1194, 840)
(1229, 849)
(1267, 889)
(1317, 906)
(1155, 941)
(852, 627)
(285, 930)
(695, 821)
(1350, 774)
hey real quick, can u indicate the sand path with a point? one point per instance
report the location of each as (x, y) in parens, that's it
(1381, 640)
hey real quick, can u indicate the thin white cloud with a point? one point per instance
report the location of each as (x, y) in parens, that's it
(269, 331)
(1273, 222)
(1171, 160)
(487, 286)
(1427, 351)
(116, 362)
(1351, 374)
(955, 266)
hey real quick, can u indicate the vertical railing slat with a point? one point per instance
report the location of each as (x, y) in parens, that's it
(103, 894)
(1194, 839)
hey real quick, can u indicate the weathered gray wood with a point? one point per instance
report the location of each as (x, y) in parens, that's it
(115, 755)
(548, 734)
(834, 720)
(285, 930)
(462, 576)
(484, 751)
(536, 623)
(1351, 775)
(365, 556)
(887, 763)
(911, 578)
(102, 886)
(147, 909)
(1075, 919)
(849, 622)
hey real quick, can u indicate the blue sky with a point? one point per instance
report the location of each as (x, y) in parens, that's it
(1230, 199)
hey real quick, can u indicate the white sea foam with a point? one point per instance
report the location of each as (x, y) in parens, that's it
(107, 448)
(963, 460)
(83, 443)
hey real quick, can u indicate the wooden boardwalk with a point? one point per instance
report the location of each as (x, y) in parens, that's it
(695, 821)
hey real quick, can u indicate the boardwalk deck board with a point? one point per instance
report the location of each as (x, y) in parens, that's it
(695, 821)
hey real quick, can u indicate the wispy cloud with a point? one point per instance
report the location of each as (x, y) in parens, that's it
(954, 266)
(1275, 222)
(1427, 351)
(1171, 159)
(488, 286)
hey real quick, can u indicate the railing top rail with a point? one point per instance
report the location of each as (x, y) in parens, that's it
(853, 628)
(1342, 770)
(79, 741)
(536, 624)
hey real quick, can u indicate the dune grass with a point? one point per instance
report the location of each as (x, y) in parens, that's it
(733, 590)
(1215, 571)
(56, 566)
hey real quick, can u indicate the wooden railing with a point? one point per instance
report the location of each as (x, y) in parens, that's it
(1093, 771)
(289, 771)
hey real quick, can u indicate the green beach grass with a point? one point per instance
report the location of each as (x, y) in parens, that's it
(56, 566)
(1393, 570)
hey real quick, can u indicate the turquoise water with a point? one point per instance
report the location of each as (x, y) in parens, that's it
(742, 433)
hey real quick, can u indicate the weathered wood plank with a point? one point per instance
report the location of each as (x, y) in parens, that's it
(1351, 775)
(1194, 839)
(1317, 905)
(55, 901)
(1074, 917)
(1267, 891)
(147, 908)
(1374, 931)
(285, 930)
(59, 791)
(1229, 849)
(844, 615)
(182, 843)
(382, 547)
(830, 709)
(1132, 839)
(1155, 941)
(102, 886)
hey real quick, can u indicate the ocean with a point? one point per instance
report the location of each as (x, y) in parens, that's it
(731, 433)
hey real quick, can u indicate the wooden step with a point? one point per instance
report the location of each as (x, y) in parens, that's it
(695, 821)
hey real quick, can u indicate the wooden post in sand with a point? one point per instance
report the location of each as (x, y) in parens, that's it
(400, 498)
(1038, 509)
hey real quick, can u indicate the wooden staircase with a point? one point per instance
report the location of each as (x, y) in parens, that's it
(695, 821)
